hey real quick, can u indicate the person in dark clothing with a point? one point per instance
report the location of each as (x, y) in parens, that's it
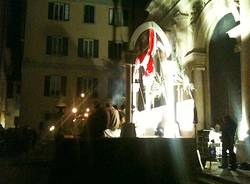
(228, 129)
(96, 123)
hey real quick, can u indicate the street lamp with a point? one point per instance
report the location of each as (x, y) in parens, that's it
(74, 110)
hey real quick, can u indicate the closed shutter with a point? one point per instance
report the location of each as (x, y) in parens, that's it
(79, 86)
(46, 85)
(96, 48)
(49, 45)
(50, 11)
(65, 46)
(110, 49)
(63, 85)
(80, 47)
(92, 14)
(95, 87)
(125, 17)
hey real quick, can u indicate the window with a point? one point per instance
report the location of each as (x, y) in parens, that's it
(88, 48)
(87, 86)
(57, 45)
(89, 14)
(58, 11)
(118, 17)
(115, 49)
(55, 85)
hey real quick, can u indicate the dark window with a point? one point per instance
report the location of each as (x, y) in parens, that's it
(115, 49)
(118, 17)
(89, 14)
(55, 85)
(88, 48)
(58, 11)
(57, 45)
(88, 86)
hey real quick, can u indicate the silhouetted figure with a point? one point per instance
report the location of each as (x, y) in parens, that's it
(228, 129)
(96, 123)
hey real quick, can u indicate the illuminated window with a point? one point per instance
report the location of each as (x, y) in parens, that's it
(57, 45)
(55, 85)
(118, 17)
(88, 48)
(58, 11)
(89, 14)
(87, 86)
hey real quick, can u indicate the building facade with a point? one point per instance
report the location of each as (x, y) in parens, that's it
(72, 48)
(10, 60)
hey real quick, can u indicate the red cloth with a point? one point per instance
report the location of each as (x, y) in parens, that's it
(148, 62)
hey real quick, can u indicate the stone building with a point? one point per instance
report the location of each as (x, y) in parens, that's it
(210, 39)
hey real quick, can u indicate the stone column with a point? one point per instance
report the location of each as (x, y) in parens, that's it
(245, 67)
(197, 75)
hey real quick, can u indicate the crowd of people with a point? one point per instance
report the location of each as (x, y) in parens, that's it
(105, 120)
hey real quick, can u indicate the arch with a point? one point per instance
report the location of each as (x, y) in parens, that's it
(206, 24)
(202, 36)
(145, 26)
(224, 64)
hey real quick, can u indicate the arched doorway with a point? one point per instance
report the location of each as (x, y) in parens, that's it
(224, 72)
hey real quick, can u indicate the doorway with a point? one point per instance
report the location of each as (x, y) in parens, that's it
(224, 72)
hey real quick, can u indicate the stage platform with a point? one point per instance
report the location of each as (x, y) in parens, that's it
(130, 160)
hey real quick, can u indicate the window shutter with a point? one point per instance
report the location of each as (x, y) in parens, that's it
(50, 10)
(96, 48)
(61, 12)
(49, 45)
(79, 86)
(110, 49)
(119, 51)
(56, 12)
(66, 11)
(63, 85)
(125, 17)
(86, 13)
(65, 46)
(92, 14)
(80, 47)
(95, 89)
(46, 85)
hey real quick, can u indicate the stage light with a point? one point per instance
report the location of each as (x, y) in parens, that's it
(82, 95)
(74, 110)
(52, 128)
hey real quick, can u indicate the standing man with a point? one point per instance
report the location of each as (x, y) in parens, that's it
(228, 129)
